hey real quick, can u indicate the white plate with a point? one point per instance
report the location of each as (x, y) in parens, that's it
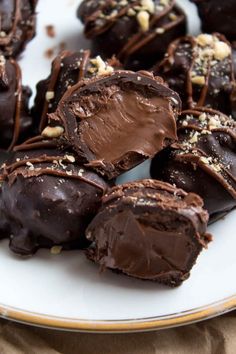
(67, 291)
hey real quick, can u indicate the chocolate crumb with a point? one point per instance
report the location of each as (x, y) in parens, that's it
(50, 31)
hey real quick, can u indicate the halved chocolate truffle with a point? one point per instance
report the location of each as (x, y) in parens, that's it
(201, 70)
(68, 69)
(15, 119)
(118, 121)
(204, 159)
(48, 198)
(149, 230)
(138, 32)
(18, 19)
(218, 15)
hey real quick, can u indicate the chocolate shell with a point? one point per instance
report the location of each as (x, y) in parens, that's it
(15, 119)
(201, 69)
(218, 15)
(67, 69)
(118, 121)
(149, 230)
(137, 32)
(18, 19)
(47, 198)
(204, 159)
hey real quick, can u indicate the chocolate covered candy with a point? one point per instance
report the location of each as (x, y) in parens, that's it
(17, 28)
(204, 159)
(15, 119)
(138, 32)
(202, 71)
(118, 121)
(67, 69)
(149, 230)
(218, 15)
(48, 198)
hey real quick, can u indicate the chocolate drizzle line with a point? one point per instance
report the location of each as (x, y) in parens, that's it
(37, 142)
(11, 171)
(16, 131)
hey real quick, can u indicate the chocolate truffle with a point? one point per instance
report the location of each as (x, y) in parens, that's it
(218, 15)
(138, 32)
(68, 69)
(48, 198)
(118, 121)
(204, 159)
(149, 230)
(201, 70)
(15, 119)
(17, 25)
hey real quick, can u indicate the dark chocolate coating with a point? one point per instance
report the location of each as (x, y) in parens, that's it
(218, 16)
(203, 161)
(67, 69)
(149, 230)
(118, 121)
(138, 32)
(201, 69)
(15, 119)
(48, 199)
(18, 19)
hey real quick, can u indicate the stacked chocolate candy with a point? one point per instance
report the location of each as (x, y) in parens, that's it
(96, 121)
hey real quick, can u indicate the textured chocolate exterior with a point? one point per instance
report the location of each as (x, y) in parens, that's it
(47, 198)
(218, 15)
(118, 121)
(149, 230)
(15, 119)
(18, 19)
(138, 32)
(204, 159)
(201, 69)
(67, 69)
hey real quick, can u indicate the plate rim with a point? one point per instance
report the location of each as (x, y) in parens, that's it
(120, 326)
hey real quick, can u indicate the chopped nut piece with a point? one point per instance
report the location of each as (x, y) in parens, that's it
(173, 16)
(160, 30)
(165, 2)
(214, 123)
(102, 67)
(194, 138)
(148, 5)
(55, 250)
(69, 173)
(2, 60)
(202, 117)
(123, 2)
(205, 40)
(70, 158)
(131, 12)
(198, 80)
(143, 20)
(50, 95)
(205, 160)
(221, 50)
(53, 132)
